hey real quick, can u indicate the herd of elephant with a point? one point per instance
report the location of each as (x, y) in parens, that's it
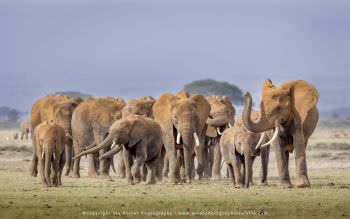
(175, 137)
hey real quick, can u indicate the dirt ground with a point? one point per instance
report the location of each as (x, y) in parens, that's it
(22, 196)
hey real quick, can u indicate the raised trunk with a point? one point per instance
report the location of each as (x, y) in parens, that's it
(107, 142)
(218, 121)
(260, 126)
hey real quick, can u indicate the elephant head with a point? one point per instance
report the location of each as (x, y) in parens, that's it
(63, 110)
(142, 107)
(281, 105)
(182, 118)
(126, 131)
(222, 115)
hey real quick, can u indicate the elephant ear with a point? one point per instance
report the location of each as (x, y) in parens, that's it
(162, 110)
(304, 97)
(231, 109)
(137, 131)
(203, 108)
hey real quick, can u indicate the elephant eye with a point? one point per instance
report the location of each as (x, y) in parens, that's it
(279, 109)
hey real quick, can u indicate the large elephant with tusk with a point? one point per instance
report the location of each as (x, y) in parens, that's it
(141, 141)
(90, 124)
(221, 117)
(240, 147)
(291, 110)
(182, 118)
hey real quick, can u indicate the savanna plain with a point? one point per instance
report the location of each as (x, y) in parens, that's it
(22, 196)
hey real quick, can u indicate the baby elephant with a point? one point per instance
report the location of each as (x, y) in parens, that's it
(141, 141)
(240, 147)
(49, 143)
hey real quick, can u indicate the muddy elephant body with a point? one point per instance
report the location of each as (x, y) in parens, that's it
(221, 117)
(90, 124)
(239, 148)
(140, 140)
(25, 130)
(58, 109)
(291, 110)
(182, 118)
(49, 141)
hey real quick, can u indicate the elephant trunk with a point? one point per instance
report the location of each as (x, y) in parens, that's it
(111, 152)
(218, 120)
(47, 157)
(105, 143)
(248, 165)
(260, 126)
(187, 138)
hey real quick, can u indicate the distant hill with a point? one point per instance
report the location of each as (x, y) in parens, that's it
(213, 87)
(74, 94)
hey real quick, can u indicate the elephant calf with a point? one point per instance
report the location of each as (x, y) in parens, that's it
(49, 143)
(240, 147)
(141, 141)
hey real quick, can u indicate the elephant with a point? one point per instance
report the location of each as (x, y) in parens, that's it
(140, 140)
(90, 123)
(290, 109)
(59, 109)
(49, 141)
(222, 116)
(182, 118)
(240, 146)
(25, 129)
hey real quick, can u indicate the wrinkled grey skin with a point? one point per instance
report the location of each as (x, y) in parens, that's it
(90, 124)
(238, 147)
(221, 117)
(140, 140)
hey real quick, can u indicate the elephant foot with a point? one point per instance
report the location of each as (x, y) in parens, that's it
(238, 185)
(92, 175)
(285, 184)
(103, 176)
(75, 175)
(137, 180)
(151, 182)
(32, 171)
(130, 182)
(215, 177)
(302, 181)
(264, 183)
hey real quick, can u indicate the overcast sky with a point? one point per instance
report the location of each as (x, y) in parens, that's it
(134, 48)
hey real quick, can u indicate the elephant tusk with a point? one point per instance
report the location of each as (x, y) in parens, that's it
(54, 156)
(260, 140)
(113, 144)
(273, 137)
(196, 139)
(229, 125)
(209, 142)
(218, 130)
(178, 137)
(42, 155)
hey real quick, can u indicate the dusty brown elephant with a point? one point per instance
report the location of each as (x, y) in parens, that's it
(90, 123)
(49, 141)
(291, 109)
(222, 116)
(59, 109)
(182, 118)
(140, 140)
(25, 130)
(239, 147)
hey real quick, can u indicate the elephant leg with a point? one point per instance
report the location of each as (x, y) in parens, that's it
(211, 159)
(264, 155)
(180, 161)
(201, 160)
(128, 161)
(174, 175)
(143, 172)
(165, 170)
(104, 164)
(76, 163)
(231, 173)
(120, 165)
(216, 175)
(22, 135)
(92, 173)
(33, 168)
(250, 170)
(207, 162)
(61, 165)
(282, 164)
(299, 144)
(138, 163)
(236, 166)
